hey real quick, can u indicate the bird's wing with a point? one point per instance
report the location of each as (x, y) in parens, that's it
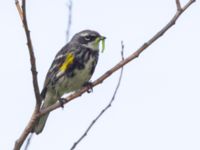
(61, 63)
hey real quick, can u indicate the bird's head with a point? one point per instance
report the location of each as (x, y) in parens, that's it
(90, 39)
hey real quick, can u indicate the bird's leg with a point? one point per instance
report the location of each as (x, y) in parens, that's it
(60, 99)
(89, 85)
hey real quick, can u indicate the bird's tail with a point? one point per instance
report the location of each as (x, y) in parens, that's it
(41, 123)
(49, 100)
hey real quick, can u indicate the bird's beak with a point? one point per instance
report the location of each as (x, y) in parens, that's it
(102, 38)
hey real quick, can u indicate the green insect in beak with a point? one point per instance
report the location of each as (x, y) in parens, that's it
(102, 40)
(103, 43)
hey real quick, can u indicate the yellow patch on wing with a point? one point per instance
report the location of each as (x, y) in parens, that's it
(68, 61)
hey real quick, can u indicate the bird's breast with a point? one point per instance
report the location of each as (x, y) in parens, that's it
(78, 77)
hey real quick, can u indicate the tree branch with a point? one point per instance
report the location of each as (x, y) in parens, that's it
(122, 62)
(178, 5)
(28, 142)
(106, 108)
(27, 130)
(32, 56)
(69, 20)
(19, 9)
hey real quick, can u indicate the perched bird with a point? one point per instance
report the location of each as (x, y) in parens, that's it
(71, 69)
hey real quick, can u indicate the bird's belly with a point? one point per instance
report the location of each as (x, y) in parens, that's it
(69, 84)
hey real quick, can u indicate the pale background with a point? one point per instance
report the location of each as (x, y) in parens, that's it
(158, 103)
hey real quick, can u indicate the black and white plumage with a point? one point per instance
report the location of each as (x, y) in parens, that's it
(72, 67)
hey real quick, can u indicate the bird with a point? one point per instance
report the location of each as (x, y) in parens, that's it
(71, 69)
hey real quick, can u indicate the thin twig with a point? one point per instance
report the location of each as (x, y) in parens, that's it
(32, 56)
(69, 20)
(19, 9)
(28, 142)
(178, 5)
(106, 108)
(121, 63)
(33, 119)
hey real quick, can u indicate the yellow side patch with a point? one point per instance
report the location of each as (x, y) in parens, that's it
(68, 61)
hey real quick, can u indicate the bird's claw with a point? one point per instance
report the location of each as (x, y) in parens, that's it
(61, 101)
(89, 86)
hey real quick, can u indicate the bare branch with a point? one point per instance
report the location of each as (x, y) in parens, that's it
(32, 56)
(28, 142)
(69, 20)
(122, 50)
(106, 108)
(27, 130)
(122, 62)
(19, 9)
(178, 5)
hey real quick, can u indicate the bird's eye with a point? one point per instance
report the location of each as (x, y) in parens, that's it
(87, 38)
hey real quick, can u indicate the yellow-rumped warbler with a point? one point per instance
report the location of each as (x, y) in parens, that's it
(71, 69)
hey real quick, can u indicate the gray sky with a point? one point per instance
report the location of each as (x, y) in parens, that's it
(157, 106)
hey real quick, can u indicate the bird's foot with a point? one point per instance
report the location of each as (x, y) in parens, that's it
(61, 101)
(89, 86)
